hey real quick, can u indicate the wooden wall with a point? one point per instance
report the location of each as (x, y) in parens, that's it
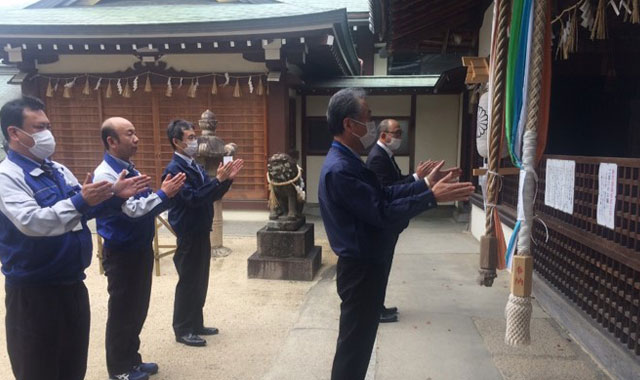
(76, 125)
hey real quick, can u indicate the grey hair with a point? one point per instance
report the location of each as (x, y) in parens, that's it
(342, 105)
(384, 126)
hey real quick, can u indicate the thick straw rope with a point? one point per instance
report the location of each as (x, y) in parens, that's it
(497, 112)
(273, 200)
(518, 310)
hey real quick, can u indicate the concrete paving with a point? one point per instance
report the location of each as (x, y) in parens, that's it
(449, 328)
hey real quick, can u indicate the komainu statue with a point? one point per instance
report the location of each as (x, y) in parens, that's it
(287, 194)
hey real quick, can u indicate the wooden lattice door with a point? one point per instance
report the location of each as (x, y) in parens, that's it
(76, 125)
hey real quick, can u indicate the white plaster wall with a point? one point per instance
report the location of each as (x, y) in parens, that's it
(379, 65)
(317, 105)
(397, 105)
(484, 40)
(203, 63)
(380, 105)
(88, 64)
(314, 164)
(437, 128)
(477, 222)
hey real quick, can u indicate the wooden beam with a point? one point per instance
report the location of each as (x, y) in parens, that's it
(445, 42)
(501, 171)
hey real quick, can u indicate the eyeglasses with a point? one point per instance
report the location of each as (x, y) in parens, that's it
(397, 133)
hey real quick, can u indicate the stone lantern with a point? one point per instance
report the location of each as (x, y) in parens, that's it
(211, 150)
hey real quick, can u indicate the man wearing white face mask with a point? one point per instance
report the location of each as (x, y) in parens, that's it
(191, 217)
(357, 211)
(381, 161)
(45, 245)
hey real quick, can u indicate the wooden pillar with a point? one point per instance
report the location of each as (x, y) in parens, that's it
(278, 117)
(365, 46)
(467, 139)
(30, 87)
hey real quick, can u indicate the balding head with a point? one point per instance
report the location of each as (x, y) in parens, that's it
(119, 137)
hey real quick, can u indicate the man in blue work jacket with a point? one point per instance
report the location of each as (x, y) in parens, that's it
(357, 210)
(45, 246)
(191, 216)
(128, 252)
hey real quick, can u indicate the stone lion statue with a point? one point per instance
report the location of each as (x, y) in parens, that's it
(286, 186)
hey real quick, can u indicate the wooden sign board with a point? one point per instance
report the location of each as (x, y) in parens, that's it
(521, 276)
(477, 69)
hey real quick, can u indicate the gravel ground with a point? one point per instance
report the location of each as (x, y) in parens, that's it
(254, 317)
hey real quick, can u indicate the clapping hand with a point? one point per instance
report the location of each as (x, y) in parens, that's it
(224, 171)
(425, 167)
(437, 173)
(94, 193)
(236, 165)
(449, 190)
(128, 187)
(229, 170)
(171, 185)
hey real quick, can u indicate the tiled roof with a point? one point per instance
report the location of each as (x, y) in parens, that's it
(155, 14)
(164, 13)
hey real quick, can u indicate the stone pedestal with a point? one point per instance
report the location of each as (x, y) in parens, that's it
(285, 255)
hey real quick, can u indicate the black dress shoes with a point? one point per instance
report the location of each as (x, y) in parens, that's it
(388, 318)
(389, 310)
(207, 331)
(191, 340)
(388, 314)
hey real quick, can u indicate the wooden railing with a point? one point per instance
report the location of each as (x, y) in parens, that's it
(157, 247)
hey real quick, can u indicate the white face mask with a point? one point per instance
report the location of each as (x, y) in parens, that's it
(370, 137)
(192, 148)
(395, 143)
(44, 143)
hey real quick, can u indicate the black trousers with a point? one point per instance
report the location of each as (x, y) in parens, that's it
(388, 246)
(129, 285)
(192, 260)
(361, 288)
(48, 331)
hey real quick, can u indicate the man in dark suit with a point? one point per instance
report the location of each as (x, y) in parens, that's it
(382, 162)
(355, 209)
(191, 216)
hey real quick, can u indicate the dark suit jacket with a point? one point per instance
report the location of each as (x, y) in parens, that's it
(191, 209)
(385, 168)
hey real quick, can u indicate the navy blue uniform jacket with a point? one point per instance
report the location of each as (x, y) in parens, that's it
(192, 208)
(356, 209)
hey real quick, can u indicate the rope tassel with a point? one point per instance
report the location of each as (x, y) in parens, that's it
(488, 242)
(518, 309)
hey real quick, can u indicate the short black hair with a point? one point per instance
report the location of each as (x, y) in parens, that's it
(11, 113)
(106, 131)
(343, 104)
(176, 130)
